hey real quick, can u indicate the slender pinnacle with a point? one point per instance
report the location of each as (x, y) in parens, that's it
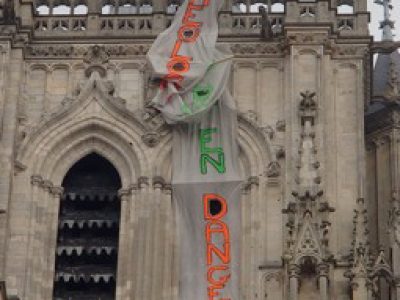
(387, 25)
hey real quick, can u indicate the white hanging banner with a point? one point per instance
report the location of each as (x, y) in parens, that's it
(206, 189)
(193, 96)
(193, 72)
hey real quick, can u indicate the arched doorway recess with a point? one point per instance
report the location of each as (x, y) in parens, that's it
(88, 230)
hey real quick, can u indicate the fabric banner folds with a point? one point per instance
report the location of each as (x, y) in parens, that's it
(193, 96)
(193, 71)
(206, 190)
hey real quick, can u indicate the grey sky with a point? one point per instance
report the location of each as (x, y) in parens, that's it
(377, 15)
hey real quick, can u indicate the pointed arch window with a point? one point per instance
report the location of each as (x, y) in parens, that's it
(87, 240)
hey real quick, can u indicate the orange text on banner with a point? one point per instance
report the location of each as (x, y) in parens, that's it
(218, 256)
(188, 33)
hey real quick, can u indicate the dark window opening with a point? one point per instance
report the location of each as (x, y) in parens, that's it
(87, 241)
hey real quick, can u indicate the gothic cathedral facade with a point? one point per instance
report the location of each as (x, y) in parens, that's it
(85, 183)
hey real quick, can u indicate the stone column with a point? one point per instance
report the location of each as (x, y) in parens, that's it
(25, 12)
(227, 5)
(94, 7)
(148, 257)
(55, 198)
(157, 260)
(93, 20)
(159, 6)
(359, 288)
(294, 271)
(36, 182)
(38, 257)
(141, 227)
(132, 235)
(397, 289)
(323, 273)
(43, 234)
(123, 253)
(5, 57)
(159, 11)
(12, 95)
(51, 6)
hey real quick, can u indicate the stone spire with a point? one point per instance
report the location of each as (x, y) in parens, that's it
(308, 223)
(360, 254)
(386, 25)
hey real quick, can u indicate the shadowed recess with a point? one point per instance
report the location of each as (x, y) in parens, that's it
(88, 230)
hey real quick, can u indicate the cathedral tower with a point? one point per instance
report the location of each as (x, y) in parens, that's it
(85, 185)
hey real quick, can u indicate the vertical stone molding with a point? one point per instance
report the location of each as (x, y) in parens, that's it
(294, 273)
(308, 214)
(323, 280)
(4, 67)
(56, 193)
(124, 195)
(360, 254)
(45, 201)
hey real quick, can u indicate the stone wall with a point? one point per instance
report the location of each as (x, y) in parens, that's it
(69, 93)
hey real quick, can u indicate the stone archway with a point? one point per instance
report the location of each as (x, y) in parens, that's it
(91, 124)
(88, 231)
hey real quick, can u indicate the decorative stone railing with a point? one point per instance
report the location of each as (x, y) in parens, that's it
(61, 24)
(251, 23)
(346, 23)
(137, 25)
(149, 25)
(143, 24)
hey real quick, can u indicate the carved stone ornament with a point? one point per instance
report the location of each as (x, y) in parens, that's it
(280, 126)
(151, 139)
(123, 194)
(360, 252)
(308, 102)
(266, 28)
(346, 50)
(83, 51)
(96, 58)
(158, 182)
(394, 220)
(385, 47)
(115, 51)
(256, 49)
(307, 215)
(96, 55)
(273, 169)
(392, 91)
(143, 181)
(249, 183)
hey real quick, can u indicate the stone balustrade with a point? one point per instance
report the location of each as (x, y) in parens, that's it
(147, 19)
(142, 24)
